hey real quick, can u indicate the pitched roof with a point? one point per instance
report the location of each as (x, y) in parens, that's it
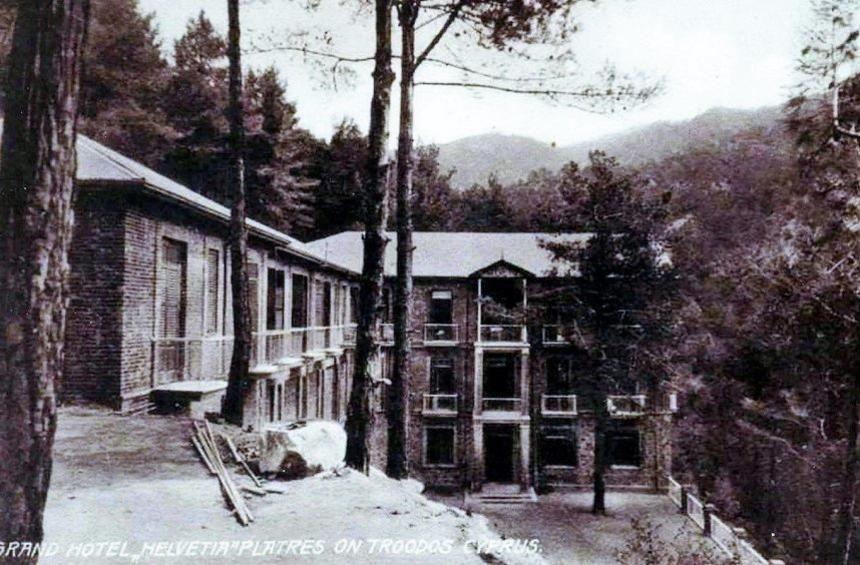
(97, 163)
(451, 254)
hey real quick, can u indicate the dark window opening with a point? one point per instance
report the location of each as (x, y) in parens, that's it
(275, 300)
(624, 444)
(441, 307)
(439, 446)
(387, 306)
(500, 378)
(559, 376)
(213, 261)
(558, 446)
(299, 310)
(353, 305)
(442, 376)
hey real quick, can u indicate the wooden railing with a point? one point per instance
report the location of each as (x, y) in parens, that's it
(495, 333)
(441, 333)
(190, 358)
(501, 404)
(439, 404)
(733, 541)
(626, 405)
(558, 404)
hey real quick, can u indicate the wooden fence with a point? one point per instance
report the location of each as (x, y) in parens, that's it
(733, 541)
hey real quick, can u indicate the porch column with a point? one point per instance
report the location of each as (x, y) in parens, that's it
(477, 456)
(524, 381)
(524, 332)
(525, 454)
(478, 336)
(477, 409)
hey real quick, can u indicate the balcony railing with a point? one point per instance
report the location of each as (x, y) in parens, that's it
(495, 333)
(556, 334)
(190, 359)
(441, 333)
(502, 405)
(626, 405)
(558, 404)
(439, 404)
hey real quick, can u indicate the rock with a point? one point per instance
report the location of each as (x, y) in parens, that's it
(294, 452)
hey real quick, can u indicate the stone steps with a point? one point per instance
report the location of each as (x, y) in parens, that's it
(503, 498)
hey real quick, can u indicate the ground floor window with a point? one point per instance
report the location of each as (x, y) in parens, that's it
(624, 443)
(439, 445)
(558, 446)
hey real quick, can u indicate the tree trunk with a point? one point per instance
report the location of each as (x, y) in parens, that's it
(398, 406)
(359, 415)
(36, 219)
(241, 359)
(847, 505)
(601, 422)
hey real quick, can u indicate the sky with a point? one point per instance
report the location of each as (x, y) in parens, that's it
(707, 53)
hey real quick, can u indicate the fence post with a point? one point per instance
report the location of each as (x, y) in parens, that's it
(707, 511)
(684, 490)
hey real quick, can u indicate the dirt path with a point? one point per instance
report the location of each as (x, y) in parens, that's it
(132, 483)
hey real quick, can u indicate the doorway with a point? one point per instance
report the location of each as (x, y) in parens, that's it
(499, 453)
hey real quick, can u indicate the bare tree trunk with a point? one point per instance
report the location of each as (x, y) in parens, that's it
(847, 505)
(37, 179)
(398, 407)
(601, 422)
(241, 359)
(359, 415)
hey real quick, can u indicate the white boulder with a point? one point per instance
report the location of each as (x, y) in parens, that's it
(299, 450)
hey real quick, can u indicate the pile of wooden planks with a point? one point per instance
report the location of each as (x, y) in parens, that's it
(204, 442)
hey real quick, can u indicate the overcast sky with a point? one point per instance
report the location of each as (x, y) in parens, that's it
(710, 53)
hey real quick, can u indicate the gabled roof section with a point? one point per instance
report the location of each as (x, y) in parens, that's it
(452, 254)
(502, 269)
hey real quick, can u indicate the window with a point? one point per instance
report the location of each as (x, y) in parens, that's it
(275, 300)
(300, 301)
(442, 376)
(212, 290)
(387, 308)
(623, 443)
(559, 375)
(439, 445)
(254, 295)
(441, 307)
(322, 316)
(174, 261)
(353, 304)
(558, 446)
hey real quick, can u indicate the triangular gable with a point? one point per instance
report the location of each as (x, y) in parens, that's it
(502, 269)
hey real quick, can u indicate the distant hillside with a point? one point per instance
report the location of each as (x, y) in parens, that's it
(512, 157)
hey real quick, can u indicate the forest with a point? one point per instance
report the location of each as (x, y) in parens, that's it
(762, 224)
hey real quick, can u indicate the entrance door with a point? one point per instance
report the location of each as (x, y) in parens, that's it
(171, 349)
(499, 448)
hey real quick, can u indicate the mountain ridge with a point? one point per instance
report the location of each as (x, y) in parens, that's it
(512, 157)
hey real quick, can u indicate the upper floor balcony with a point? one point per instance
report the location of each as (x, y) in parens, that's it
(503, 333)
(441, 334)
(558, 405)
(556, 334)
(439, 405)
(501, 405)
(628, 405)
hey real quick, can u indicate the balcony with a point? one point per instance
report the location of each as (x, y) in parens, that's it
(441, 334)
(556, 335)
(439, 404)
(272, 345)
(626, 405)
(503, 333)
(190, 359)
(502, 405)
(387, 333)
(558, 405)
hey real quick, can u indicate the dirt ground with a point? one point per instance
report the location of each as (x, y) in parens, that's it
(570, 534)
(132, 490)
